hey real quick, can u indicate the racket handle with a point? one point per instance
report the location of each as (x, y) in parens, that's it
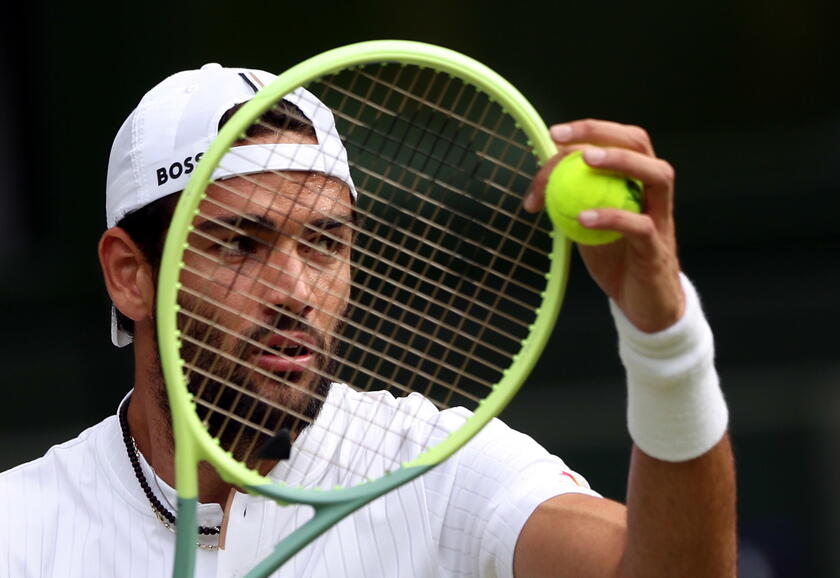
(186, 536)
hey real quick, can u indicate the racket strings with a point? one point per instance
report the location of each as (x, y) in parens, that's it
(399, 318)
(495, 306)
(223, 380)
(425, 233)
(500, 212)
(370, 443)
(214, 406)
(256, 345)
(453, 293)
(416, 173)
(441, 267)
(266, 349)
(399, 282)
(441, 295)
(262, 347)
(384, 177)
(490, 134)
(420, 99)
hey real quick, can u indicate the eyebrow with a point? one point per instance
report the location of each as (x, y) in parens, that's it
(330, 223)
(262, 224)
(228, 223)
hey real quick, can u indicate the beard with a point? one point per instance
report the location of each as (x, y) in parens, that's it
(245, 408)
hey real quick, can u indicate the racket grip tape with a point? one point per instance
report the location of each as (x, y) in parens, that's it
(186, 536)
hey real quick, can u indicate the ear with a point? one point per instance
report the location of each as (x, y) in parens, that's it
(128, 276)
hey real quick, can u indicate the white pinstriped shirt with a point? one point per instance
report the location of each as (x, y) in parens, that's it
(79, 512)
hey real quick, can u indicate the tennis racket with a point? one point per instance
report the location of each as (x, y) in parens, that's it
(415, 271)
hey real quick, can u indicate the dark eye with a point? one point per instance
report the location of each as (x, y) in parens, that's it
(239, 247)
(325, 244)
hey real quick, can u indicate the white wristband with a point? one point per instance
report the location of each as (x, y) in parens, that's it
(675, 407)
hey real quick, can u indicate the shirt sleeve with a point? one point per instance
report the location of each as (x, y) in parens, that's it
(495, 483)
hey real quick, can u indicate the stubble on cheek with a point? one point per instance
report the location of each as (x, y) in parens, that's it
(238, 404)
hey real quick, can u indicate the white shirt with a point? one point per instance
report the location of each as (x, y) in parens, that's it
(79, 511)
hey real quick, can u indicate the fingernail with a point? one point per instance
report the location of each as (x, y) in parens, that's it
(528, 201)
(561, 132)
(588, 218)
(594, 155)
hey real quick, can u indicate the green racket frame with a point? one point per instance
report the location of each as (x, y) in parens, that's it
(193, 443)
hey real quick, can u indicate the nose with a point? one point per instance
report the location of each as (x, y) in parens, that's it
(286, 283)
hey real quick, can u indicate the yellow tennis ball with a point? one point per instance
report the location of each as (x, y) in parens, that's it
(573, 186)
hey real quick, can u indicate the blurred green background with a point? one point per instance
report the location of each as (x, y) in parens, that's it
(739, 95)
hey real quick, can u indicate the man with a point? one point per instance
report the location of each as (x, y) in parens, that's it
(101, 505)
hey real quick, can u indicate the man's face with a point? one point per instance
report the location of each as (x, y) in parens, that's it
(265, 287)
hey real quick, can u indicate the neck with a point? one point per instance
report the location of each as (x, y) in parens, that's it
(151, 426)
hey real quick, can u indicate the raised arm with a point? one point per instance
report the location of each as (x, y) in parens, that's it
(679, 519)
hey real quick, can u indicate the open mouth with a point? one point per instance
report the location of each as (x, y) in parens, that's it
(290, 352)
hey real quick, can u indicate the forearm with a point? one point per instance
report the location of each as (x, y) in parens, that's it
(681, 516)
(681, 490)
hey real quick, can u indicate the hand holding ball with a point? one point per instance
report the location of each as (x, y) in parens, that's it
(573, 186)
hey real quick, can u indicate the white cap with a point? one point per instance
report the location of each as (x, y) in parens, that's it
(161, 141)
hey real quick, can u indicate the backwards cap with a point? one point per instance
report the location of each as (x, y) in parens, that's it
(162, 140)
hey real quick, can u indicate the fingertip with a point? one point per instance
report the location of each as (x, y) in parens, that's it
(588, 218)
(528, 203)
(594, 155)
(561, 132)
(532, 202)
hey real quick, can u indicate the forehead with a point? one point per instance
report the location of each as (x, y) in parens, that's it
(282, 197)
